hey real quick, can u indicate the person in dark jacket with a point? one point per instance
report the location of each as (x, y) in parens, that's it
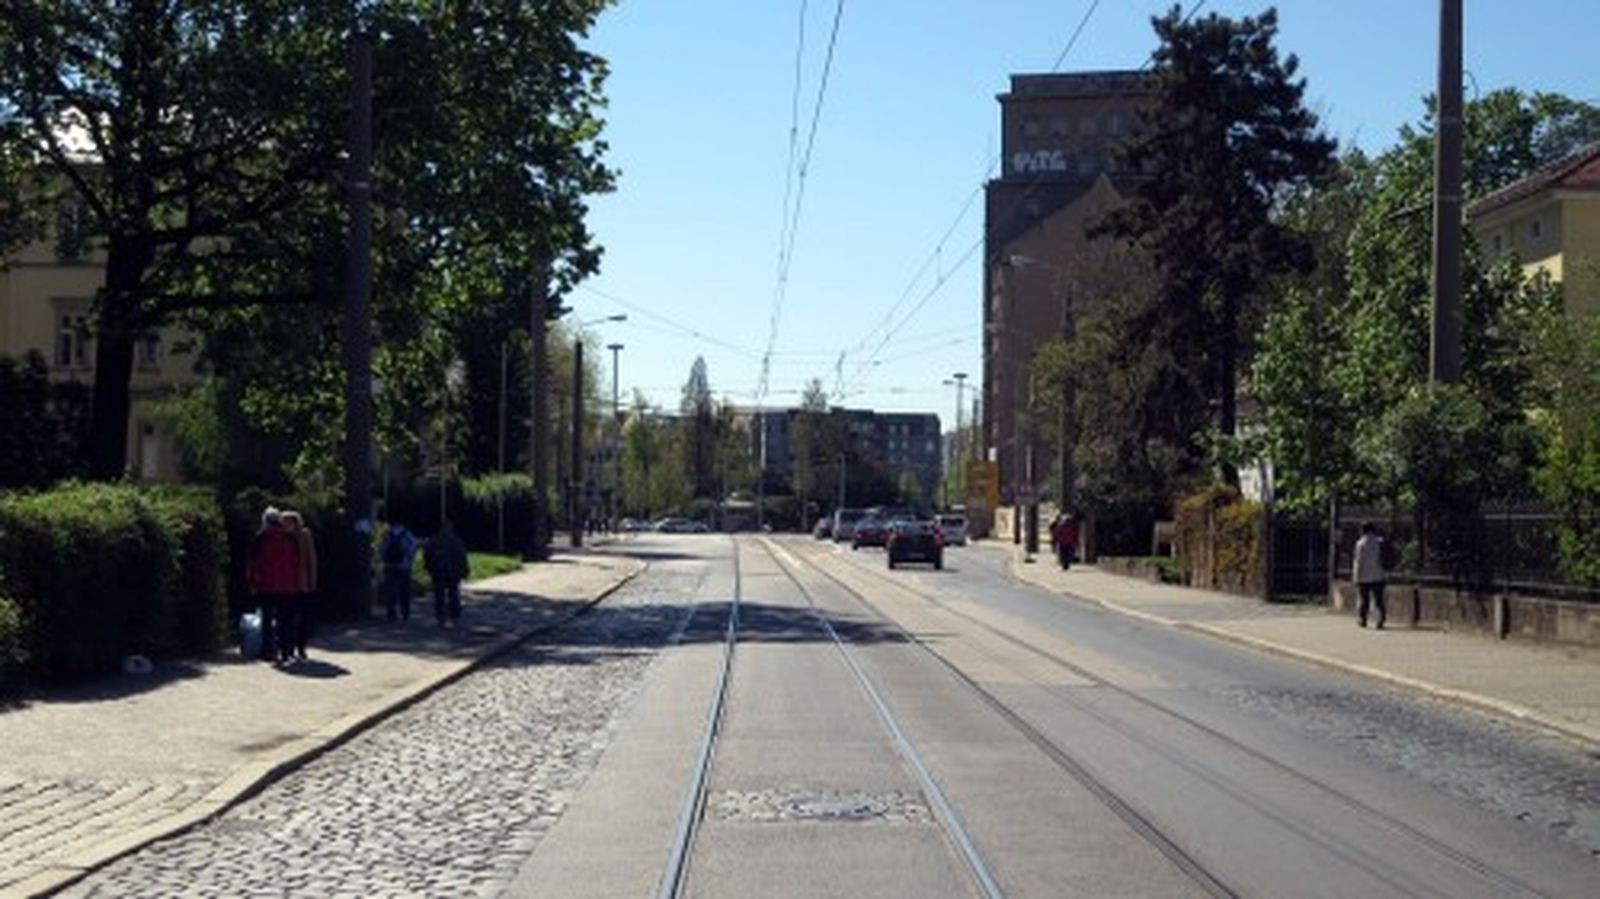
(1064, 539)
(397, 551)
(273, 575)
(445, 557)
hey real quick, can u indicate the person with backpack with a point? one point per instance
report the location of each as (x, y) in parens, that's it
(445, 557)
(1370, 571)
(399, 547)
(272, 575)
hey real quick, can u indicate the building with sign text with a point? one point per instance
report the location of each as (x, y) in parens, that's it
(1059, 173)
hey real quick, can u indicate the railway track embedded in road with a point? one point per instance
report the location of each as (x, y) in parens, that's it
(1505, 884)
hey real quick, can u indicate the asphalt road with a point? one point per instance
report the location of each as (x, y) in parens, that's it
(1275, 777)
(966, 735)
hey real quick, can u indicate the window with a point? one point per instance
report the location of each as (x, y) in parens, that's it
(149, 351)
(1116, 123)
(1086, 126)
(1498, 242)
(72, 335)
(1535, 229)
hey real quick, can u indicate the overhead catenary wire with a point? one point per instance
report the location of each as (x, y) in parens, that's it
(800, 169)
(1033, 184)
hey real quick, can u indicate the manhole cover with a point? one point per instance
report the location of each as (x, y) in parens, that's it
(818, 805)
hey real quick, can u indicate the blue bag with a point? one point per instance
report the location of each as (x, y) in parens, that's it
(250, 635)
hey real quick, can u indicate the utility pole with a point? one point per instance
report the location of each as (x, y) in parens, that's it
(539, 434)
(357, 330)
(1445, 358)
(841, 481)
(579, 507)
(616, 427)
(761, 473)
(500, 459)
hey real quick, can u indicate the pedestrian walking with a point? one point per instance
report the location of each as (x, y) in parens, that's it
(1064, 539)
(1371, 573)
(397, 551)
(302, 606)
(273, 577)
(445, 557)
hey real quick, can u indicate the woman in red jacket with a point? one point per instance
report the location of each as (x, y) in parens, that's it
(274, 574)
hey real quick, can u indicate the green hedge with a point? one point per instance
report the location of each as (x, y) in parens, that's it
(473, 505)
(12, 654)
(1219, 538)
(98, 571)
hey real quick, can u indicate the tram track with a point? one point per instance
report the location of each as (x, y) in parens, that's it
(1504, 884)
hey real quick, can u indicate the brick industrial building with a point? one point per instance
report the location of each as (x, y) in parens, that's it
(1058, 174)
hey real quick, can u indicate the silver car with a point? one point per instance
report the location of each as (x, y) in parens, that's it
(954, 528)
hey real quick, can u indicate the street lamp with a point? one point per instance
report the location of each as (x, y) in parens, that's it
(957, 457)
(577, 499)
(616, 441)
(1063, 449)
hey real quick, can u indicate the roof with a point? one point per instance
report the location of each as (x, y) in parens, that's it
(1580, 170)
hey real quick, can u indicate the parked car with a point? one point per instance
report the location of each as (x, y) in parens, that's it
(681, 526)
(823, 529)
(870, 531)
(954, 529)
(915, 541)
(633, 525)
(844, 523)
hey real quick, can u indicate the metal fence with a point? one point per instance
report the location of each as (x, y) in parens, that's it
(1511, 546)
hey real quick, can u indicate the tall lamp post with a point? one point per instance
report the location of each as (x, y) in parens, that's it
(579, 506)
(616, 440)
(957, 457)
(1063, 445)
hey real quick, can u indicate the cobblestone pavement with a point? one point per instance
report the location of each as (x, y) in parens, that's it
(446, 798)
(1545, 779)
(88, 765)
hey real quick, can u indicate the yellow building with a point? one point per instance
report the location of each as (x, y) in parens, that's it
(46, 293)
(1550, 221)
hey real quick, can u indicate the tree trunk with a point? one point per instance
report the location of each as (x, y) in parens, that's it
(1228, 385)
(116, 331)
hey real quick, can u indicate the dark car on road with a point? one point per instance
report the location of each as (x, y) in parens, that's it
(915, 541)
(823, 529)
(870, 531)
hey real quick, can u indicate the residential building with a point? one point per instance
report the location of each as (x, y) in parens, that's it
(1060, 174)
(47, 290)
(1550, 221)
(897, 441)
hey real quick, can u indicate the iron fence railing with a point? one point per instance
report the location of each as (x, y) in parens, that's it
(1511, 546)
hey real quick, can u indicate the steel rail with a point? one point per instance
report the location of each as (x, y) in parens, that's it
(942, 808)
(1510, 885)
(693, 804)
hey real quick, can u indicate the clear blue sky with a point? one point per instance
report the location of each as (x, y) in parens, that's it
(699, 119)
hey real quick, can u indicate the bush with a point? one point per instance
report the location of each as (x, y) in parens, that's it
(195, 519)
(1218, 539)
(473, 504)
(95, 572)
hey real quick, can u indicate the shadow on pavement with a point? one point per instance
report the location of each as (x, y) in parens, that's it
(314, 669)
(118, 686)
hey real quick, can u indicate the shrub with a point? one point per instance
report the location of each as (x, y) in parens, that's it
(195, 520)
(94, 570)
(1218, 538)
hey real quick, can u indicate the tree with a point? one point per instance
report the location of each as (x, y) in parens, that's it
(204, 140)
(813, 447)
(698, 421)
(1225, 141)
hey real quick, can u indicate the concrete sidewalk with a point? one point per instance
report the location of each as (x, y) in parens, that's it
(1551, 685)
(94, 772)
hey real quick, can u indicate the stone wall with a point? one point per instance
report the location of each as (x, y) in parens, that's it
(1529, 617)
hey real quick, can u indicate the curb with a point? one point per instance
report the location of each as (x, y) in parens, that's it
(1478, 701)
(254, 776)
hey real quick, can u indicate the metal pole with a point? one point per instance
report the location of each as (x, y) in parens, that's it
(500, 460)
(616, 428)
(1445, 357)
(357, 330)
(579, 507)
(841, 481)
(539, 434)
